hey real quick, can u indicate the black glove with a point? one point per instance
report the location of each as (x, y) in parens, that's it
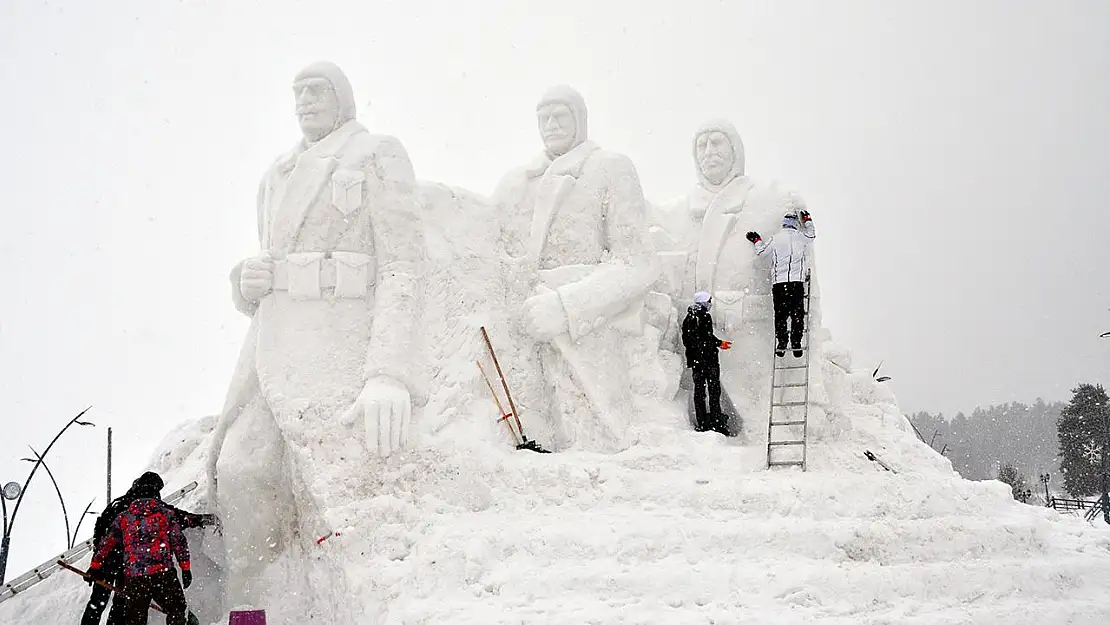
(92, 576)
(208, 519)
(753, 237)
(186, 579)
(805, 216)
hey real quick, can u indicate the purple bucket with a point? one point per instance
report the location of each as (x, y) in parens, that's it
(247, 617)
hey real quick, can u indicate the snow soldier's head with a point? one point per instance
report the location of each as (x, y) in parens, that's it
(718, 154)
(325, 100)
(561, 114)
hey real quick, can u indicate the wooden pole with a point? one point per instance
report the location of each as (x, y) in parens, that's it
(504, 383)
(517, 438)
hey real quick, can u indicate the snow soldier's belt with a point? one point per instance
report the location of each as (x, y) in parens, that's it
(312, 275)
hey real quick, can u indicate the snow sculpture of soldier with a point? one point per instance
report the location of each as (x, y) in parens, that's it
(324, 386)
(701, 245)
(575, 223)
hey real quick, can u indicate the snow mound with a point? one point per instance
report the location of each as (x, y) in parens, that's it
(683, 527)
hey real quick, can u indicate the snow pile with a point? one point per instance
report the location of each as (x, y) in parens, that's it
(683, 527)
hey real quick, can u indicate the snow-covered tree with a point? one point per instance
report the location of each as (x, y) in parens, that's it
(1082, 431)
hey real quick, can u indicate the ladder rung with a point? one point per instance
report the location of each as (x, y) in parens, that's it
(802, 385)
(787, 443)
(788, 403)
(802, 422)
(786, 463)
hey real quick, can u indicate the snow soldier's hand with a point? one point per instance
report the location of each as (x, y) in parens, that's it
(385, 408)
(543, 315)
(257, 277)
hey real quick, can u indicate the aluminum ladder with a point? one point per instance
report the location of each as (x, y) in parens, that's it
(788, 414)
(75, 553)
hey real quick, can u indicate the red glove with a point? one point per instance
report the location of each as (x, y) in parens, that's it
(726, 344)
(805, 216)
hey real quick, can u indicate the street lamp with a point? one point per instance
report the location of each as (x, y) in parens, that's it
(1104, 501)
(11, 491)
(1024, 495)
(20, 492)
(1045, 477)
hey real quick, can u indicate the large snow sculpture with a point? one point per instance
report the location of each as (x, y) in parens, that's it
(575, 222)
(324, 382)
(701, 245)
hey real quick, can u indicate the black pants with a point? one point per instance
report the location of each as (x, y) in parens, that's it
(163, 588)
(707, 381)
(790, 303)
(99, 601)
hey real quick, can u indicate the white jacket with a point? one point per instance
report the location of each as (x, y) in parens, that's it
(788, 252)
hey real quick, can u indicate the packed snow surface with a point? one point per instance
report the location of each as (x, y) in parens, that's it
(683, 527)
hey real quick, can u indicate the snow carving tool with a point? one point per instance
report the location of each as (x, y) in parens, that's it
(190, 619)
(873, 458)
(512, 415)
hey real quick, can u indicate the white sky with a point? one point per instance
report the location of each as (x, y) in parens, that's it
(952, 154)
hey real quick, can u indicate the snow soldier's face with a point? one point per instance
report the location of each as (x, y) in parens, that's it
(317, 107)
(557, 127)
(715, 156)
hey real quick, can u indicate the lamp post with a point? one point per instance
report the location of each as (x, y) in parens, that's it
(1024, 495)
(1104, 501)
(18, 492)
(1045, 477)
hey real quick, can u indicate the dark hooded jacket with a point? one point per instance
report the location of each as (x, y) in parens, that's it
(147, 486)
(698, 338)
(150, 536)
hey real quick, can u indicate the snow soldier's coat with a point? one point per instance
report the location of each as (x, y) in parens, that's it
(577, 225)
(701, 245)
(339, 219)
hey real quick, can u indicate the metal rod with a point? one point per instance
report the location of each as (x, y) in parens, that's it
(65, 514)
(109, 494)
(73, 541)
(4, 545)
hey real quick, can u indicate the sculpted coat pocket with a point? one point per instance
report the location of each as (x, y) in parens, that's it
(346, 190)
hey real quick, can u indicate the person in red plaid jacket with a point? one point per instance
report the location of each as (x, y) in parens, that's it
(150, 533)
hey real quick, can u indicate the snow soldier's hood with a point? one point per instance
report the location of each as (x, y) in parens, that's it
(565, 94)
(720, 125)
(343, 92)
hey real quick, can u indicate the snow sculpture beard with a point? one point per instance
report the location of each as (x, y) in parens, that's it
(325, 100)
(718, 154)
(715, 156)
(561, 116)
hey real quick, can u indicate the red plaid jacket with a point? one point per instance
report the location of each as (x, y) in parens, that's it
(151, 536)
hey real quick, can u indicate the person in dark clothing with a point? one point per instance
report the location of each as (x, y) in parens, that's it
(147, 486)
(788, 255)
(702, 358)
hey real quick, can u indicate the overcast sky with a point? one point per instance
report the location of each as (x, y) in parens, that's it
(952, 153)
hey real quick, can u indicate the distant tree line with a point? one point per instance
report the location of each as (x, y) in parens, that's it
(1015, 442)
(980, 444)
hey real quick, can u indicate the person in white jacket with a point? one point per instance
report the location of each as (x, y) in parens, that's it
(788, 253)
